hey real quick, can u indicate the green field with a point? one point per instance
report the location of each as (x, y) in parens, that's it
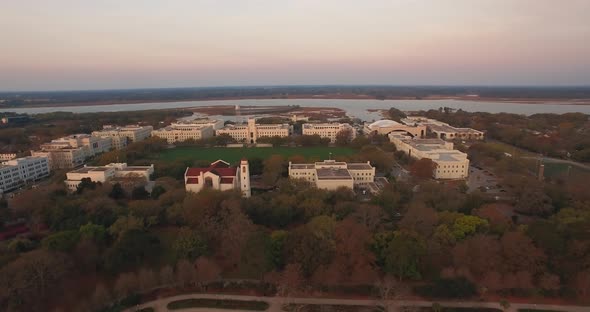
(554, 169)
(233, 155)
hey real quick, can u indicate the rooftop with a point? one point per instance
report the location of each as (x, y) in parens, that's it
(384, 123)
(333, 174)
(359, 166)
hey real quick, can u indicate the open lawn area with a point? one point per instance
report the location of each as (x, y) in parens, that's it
(233, 155)
(554, 170)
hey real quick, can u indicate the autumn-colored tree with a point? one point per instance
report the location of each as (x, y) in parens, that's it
(185, 273)
(478, 254)
(520, 254)
(423, 168)
(166, 276)
(291, 281)
(344, 137)
(125, 285)
(207, 270)
(101, 297)
(312, 245)
(147, 279)
(420, 219)
(273, 169)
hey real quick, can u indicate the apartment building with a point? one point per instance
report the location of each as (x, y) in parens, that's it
(450, 163)
(220, 175)
(16, 172)
(111, 173)
(250, 132)
(73, 150)
(121, 136)
(179, 132)
(331, 174)
(386, 126)
(443, 130)
(328, 130)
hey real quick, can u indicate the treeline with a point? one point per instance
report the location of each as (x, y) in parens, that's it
(181, 94)
(556, 135)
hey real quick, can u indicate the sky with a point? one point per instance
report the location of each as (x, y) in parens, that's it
(118, 44)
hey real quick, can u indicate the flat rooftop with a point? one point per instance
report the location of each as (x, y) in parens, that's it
(302, 166)
(333, 174)
(359, 166)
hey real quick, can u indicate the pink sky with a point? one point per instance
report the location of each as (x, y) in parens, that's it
(72, 44)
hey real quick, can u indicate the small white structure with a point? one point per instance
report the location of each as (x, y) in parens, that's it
(16, 172)
(250, 132)
(219, 176)
(444, 130)
(328, 130)
(386, 126)
(450, 163)
(331, 174)
(114, 172)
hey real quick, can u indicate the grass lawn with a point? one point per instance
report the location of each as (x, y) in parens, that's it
(218, 304)
(554, 169)
(233, 155)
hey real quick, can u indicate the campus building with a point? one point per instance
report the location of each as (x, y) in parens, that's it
(112, 173)
(250, 132)
(179, 132)
(331, 174)
(450, 163)
(219, 176)
(73, 150)
(216, 124)
(16, 172)
(7, 156)
(121, 136)
(387, 126)
(443, 130)
(328, 130)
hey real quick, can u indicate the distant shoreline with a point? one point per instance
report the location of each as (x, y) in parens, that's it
(543, 101)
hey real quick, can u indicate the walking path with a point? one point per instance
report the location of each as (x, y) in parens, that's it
(276, 303)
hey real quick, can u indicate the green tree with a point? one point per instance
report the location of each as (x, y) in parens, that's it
(277, 248)
(134, 248)
(189, 244)
(117, 192)
(468, 225)
(404, 255)
(139, 193)
(61, 241)
(157, 191)
(94, 232)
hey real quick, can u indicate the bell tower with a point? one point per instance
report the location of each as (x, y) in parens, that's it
(244, 177)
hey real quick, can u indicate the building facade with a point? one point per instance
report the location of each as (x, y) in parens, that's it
(219, 176)
(331, 175)
(387, 126)
(450, 163)
(328, 130)
(7, 156)
(114, 172)
(121, 136)
(179, 132)
(216, 124)
(443, 130)
(250, 132)
(72, 151)
(16, 172)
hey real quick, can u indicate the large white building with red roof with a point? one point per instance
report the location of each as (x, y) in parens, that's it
(221, 176)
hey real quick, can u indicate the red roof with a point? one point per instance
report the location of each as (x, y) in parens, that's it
(227, 180)
(192, 181)
(219, 168)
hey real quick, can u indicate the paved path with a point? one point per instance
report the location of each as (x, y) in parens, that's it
(277, 302)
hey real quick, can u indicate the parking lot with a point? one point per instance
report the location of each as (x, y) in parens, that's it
(485, 181)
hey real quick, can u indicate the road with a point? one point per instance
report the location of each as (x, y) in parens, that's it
(393, 305)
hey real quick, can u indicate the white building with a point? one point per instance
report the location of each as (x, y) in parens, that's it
(331, 175)
(16, 172)
(72, 151)
(213, 123)
(444, 130)
(7, 156)
(250, 132)
(450, 163)
(124, 135)
(328, 130)
(114, 172)
(387, 126)
(219, 176)
(179, 132)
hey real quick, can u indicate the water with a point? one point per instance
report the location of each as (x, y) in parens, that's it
(354, 108)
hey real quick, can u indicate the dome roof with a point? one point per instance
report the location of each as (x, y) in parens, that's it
(384, 123)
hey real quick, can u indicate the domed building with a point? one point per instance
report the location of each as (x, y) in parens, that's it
(386, 126)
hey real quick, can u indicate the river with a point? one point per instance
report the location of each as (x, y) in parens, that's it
(354, 108)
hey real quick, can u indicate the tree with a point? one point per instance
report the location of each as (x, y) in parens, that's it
(312, 245)
(157, 191)
(132, 249)
(189, 244)
(61, 241)
(185, 273)
(166, 276)
(86, 183)
(277, 248)
(404, 255)
(125, 224)
(147, 279)
(468, 225)
(207, 270)
(420, 219)
(291, 281)
(423, 168)
(273, 169)
(344, 137)
(396, 114)
(101, 297)
(139, 193)
(93, 232)
(117, 192)
(504, 304)
(534, 201)
(125, 285)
